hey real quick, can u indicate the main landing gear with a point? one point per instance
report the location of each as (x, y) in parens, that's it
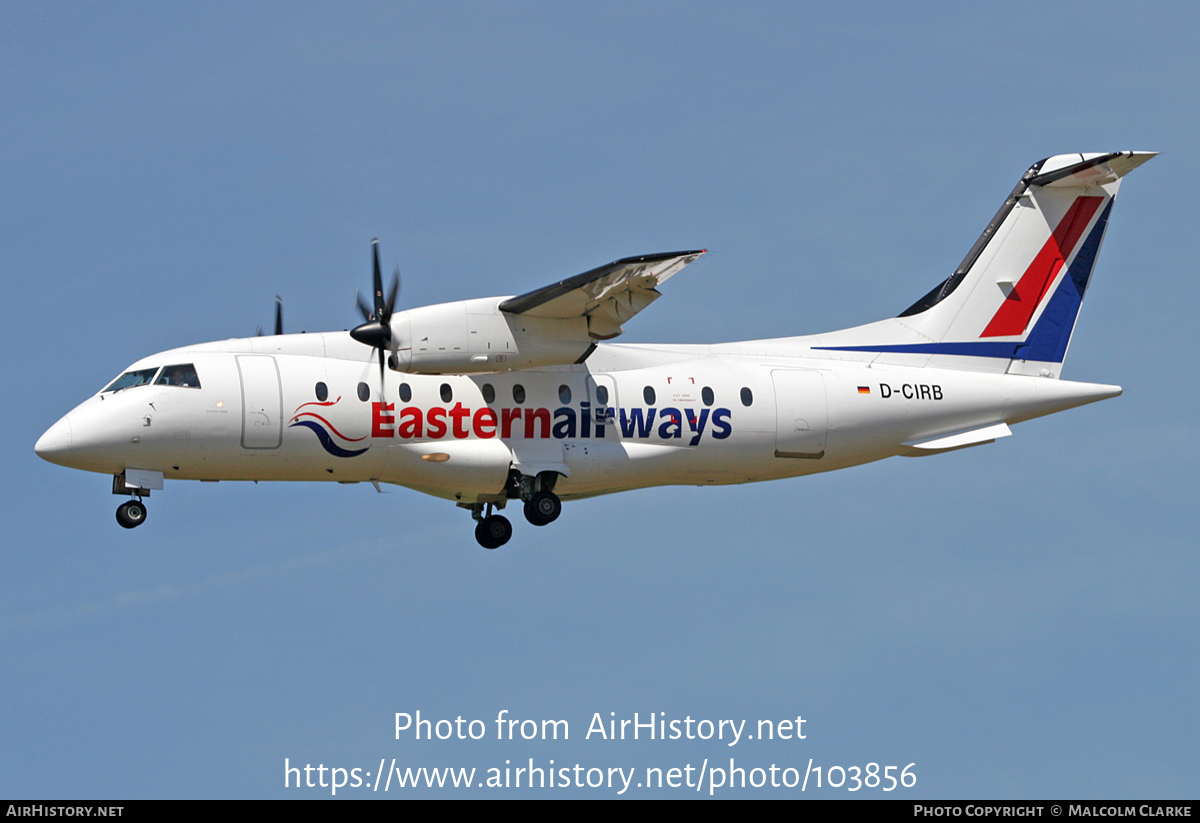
(542, 507)
(491, 530)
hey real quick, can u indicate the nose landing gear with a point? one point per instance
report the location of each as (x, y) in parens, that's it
(131, 514)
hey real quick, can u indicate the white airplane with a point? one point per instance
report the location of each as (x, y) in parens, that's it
(516, 398)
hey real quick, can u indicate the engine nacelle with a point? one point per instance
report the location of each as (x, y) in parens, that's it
(475, 337)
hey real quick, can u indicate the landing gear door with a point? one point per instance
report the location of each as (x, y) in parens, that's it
(801, 413)
(602, 397)
(262, 402)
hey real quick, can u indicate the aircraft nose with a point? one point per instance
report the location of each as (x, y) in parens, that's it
(55, 444)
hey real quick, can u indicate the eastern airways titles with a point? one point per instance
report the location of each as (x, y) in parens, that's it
(460, 422)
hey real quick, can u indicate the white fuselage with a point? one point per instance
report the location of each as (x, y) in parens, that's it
(629, 417)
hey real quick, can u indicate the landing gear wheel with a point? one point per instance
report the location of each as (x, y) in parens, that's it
(131, 514)
(543, 508)
(493, 532)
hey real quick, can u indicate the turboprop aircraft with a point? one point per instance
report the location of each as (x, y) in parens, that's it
(502, 399)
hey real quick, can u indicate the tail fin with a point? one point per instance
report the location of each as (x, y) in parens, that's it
(1015, 297)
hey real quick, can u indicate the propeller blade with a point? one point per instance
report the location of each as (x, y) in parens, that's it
(378, 280)
(258, 331)
(363, 307)
(278, 314)
(390, 305)
(381, 391)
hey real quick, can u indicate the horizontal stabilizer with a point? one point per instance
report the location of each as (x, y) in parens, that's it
(1073, 170)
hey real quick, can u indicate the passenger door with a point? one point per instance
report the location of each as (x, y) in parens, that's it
(262, 402)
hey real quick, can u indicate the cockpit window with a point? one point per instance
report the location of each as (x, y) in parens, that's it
(181, 375)
(132, 378)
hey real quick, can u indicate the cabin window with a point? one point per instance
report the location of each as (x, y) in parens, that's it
(132, 378)
(648, 395)
(518, 394)
(564, 394)
(706, 394)
(364, 392)
(489, 393)
(182, 375)
(405, 392)
(602, 395)
(322, 392)
(447, 393)
(747, 396)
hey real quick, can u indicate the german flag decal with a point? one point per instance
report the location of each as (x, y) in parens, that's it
(864, 389)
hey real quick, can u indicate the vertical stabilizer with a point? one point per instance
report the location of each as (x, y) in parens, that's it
(1011, 305)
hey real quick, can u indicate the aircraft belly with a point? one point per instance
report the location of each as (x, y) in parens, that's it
(599, 468)
(462, 470)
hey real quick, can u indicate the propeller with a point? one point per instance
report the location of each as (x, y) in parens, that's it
(278, 318)
(376, 332)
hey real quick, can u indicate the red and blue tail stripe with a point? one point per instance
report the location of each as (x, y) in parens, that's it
(1047, 340)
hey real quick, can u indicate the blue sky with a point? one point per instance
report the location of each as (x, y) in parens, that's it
(1018, 620)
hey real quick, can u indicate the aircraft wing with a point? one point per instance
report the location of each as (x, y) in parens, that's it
(607, 296)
